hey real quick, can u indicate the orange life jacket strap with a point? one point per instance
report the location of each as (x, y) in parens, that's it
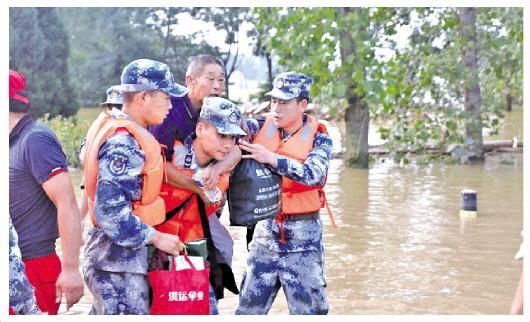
(280, 219)
(170, 214)
(163, 149)
(324, 201)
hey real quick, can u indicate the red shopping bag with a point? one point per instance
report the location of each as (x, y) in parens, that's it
(180, 291)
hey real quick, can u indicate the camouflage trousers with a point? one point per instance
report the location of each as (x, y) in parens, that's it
(299, 274)
(25, 307)
(117, 293)
(21, 292)
(213, 302)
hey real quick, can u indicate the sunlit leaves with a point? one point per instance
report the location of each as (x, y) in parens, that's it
(405, 63)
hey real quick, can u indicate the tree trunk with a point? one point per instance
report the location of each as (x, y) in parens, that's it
(509, 102)
(356, 142)
(357, 115)
(227, 87)
(472, 97)
(168, 34)
(229, 71)
(269, 69)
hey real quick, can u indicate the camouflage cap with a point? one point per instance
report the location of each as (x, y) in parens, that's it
(149, 75)
(290, 85)
(114, 96)
(223, 114)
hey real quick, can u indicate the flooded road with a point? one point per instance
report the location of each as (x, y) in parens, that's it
(401, 247)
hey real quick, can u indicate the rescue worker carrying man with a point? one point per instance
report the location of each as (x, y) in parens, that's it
(215, 136)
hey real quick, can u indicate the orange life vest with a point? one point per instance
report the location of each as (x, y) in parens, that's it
(92, 130)
(150, 209)
(186, 222)
(296, 197)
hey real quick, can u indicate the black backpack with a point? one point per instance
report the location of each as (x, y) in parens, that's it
(254, 193)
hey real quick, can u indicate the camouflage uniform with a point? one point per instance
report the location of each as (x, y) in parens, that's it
(115, 268)
(225, 117)
(185, 156)
(21, 297)
(298, 264)
(115, 265)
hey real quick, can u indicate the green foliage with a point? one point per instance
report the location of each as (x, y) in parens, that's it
(416, 88)
(434, 72)
(501, 53)
(288, 29)
(104, 40)
(173, 49)
(70, 131)
(39, 48)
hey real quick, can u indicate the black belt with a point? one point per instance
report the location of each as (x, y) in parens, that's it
(307, 216)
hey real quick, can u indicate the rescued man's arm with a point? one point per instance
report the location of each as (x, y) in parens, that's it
(179, 179)
(216, 169)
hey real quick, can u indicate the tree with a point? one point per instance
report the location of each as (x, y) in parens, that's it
(336, 46)
(413, 88)
(500, 33)
(230, 21)
(356, 115)
(177, 49)
(472, 98)
(39, 48)
(438, 80)
(104, 40)
(25, 37)
(260, 49)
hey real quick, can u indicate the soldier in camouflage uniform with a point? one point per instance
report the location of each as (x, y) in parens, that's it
(287, 251)
(21, 297)
(115, 268)
(216, 132)
(205, 77)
